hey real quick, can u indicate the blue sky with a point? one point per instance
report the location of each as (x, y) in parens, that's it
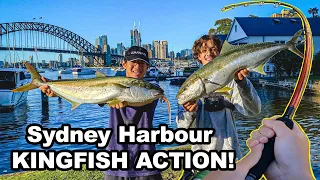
(178, 22)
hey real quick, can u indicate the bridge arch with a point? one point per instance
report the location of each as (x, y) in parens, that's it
(70, 37)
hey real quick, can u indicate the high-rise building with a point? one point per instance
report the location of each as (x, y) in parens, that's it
(135, 35)
(156, 49)
(148, 47)
(183, 53)
(178, 55)
(60, 59)
(149, 53)
(113, 51)
(163, 49)
(172, 55)
(108, 56)
(120, 49)
(102, 41)
(188, 53)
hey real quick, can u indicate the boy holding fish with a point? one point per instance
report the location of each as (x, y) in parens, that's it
(136, 63)
(218, 111)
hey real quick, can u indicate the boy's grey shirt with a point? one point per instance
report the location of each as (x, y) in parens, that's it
(246, 101)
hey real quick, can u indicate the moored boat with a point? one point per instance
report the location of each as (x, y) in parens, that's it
(11, 78)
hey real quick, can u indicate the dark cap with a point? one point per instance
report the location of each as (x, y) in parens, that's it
(137, 53)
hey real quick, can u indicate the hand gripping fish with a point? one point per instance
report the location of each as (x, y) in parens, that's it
(99, 90)
(214, 76)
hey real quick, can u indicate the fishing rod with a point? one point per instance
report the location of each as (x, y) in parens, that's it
(267, 157)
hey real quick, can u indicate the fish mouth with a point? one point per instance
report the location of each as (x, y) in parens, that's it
(180, 100)
(157, 94)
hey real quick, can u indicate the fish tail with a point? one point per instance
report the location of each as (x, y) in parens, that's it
(35, 78)
(292, 43)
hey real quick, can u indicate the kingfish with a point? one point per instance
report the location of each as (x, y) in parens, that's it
(99, 90)
(215, 75)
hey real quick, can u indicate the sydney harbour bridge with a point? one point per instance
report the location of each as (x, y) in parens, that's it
(42, 37)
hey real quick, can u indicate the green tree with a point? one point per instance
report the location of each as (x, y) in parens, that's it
(313, 11)
(287, 62)
(224, 26)
(212, 31)
(254, 16)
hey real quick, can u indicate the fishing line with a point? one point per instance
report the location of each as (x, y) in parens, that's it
(268, 152)
(165, 99)
(308, 53)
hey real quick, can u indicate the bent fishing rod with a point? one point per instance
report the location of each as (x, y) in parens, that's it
(267, 157)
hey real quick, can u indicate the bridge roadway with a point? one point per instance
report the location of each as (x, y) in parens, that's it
(58, 51)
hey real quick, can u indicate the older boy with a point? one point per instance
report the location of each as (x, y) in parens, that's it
(217, 111)
(136, 63)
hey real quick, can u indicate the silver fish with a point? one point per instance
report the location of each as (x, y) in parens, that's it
(214, 76)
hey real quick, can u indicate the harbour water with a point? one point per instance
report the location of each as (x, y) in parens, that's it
(58, 112)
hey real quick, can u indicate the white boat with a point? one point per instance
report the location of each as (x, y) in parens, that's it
(65, 71)
(11, 78)
(40, 70)
(53, 69)
(118, 68)
(153, 72)
(27, 74)
(82, 71)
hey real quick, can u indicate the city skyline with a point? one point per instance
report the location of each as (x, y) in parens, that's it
(166, 20)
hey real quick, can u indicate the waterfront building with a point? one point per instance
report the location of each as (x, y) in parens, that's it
(247, 30)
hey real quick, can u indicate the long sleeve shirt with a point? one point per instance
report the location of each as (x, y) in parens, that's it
(244, 99)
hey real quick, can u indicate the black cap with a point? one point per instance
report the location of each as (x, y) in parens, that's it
(137, 53)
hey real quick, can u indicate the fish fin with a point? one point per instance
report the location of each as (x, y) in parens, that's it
(226, 47)
(260, 69)
(113, 102)
(100, 74)
(224, 89)
(225, 94)
(116, 85)
(33, 71)
(74, 105)
(229, 47)
(24, 88)
(292, 43)
(120, 85)
(208, 81)
(35, 78)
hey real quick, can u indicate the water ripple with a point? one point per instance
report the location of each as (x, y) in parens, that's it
(58, 112)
